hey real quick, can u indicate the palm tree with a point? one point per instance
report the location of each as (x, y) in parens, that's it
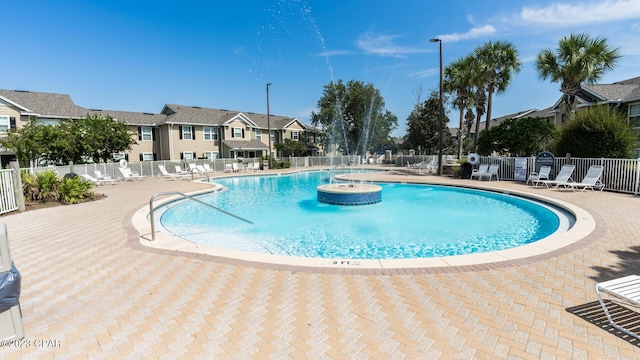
(498, 59)
(578, 59)
(479, 97)
(458, 80)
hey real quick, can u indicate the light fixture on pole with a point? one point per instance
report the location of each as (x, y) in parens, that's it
(269, 126)
(441, 115)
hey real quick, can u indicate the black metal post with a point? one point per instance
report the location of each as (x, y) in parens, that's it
(441, 127)
(269, 126)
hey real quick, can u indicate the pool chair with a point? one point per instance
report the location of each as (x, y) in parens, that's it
(129, 175)
(180, 171)
(207, 168)
(228, 168)
(91, 179)
(626, 289)
(481, 171)
(256, 166)
(543, 174)
(194, 170)
(103, 179)
(235, 167)
(166, 174)
(590, 181)
(564, 176)
(106, 178)
(493, 171)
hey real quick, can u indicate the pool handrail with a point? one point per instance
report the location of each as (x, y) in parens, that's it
(185, 196)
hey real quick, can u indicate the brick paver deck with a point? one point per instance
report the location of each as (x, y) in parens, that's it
(85, 287)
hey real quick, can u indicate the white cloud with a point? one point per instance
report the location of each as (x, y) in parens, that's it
(425, 73)
(334, 53)
(563, 14)
(383, 45)
(471, 34)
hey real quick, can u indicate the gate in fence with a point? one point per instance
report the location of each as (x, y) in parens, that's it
(7, 195)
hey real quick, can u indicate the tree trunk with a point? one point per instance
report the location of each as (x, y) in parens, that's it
(489, 104)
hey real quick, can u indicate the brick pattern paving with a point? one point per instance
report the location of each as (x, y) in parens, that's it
(85, 286)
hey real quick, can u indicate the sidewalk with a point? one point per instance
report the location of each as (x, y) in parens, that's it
(95, 296)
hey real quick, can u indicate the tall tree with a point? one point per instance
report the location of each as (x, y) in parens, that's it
(458, 81)
(498, 61)
(423, 125)
(354, 117)
(479, 97)
(578, 59)
(517, 137)
(92, 137)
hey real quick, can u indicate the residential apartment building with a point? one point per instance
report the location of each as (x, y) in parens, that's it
(178, 132)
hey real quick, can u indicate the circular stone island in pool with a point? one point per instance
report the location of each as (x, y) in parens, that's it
(349, 194)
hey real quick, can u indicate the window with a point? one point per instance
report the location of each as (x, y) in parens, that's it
(146, 156)
(259, 134)
(186, 133)
(187, 155)
(295, 135)
(210, 133)
(634, 116)
(238, 133)
(211, 155)
(145, 133)
(4, 123)
(273, 136)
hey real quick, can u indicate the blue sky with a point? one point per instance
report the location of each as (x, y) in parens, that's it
(138, 55)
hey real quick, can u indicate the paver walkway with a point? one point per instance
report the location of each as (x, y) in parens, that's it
(97, 297)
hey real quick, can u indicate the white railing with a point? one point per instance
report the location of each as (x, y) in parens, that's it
(620, 175)
(7, 195)
(150, 168)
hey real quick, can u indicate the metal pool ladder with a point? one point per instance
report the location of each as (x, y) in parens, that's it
(185, 196)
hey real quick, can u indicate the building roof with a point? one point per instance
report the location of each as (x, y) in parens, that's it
(245, 145)
(61, 106)
(131, 118)
(46, 105)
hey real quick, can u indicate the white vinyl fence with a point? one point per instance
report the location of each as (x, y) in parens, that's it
(620, 175)
(7, 195)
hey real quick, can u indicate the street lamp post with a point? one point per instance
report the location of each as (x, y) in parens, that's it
(441, 115)
(269, 126)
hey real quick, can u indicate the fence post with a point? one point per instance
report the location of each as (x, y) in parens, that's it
(17, 185)
(635, 192)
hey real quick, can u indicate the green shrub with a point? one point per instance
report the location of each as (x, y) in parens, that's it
(47, 186)
(597, 132)
(72, 190)
(48, 183)
(29, 186)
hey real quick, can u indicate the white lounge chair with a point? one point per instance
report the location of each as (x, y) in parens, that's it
(590, 181)
(165, 173)
(235, 167)
(129, 175)
(207, 168)
(228, 168)
(104, 179)
(493, 171)
(625, 288)
(563, 176)
(543, 174)
(194, 170)
(90, 179)
(482, 170)
(256, 166)
(180, 171)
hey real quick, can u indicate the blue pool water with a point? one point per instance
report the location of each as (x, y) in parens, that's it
(412, 221)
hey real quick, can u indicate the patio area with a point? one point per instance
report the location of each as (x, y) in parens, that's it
(91, 288)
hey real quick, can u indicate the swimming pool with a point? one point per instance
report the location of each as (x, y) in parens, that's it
(412, 221)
